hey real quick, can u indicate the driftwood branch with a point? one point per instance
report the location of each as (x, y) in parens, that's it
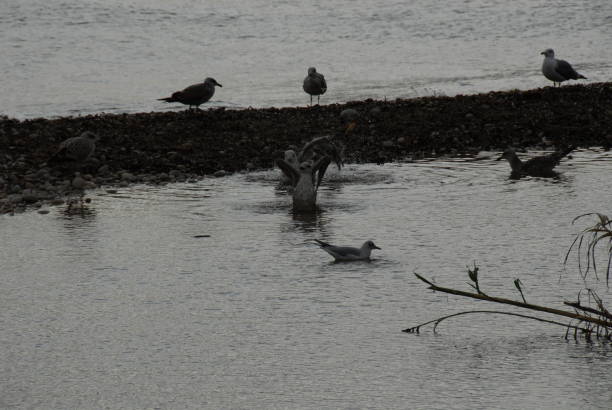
(530, 306)
(437, 321)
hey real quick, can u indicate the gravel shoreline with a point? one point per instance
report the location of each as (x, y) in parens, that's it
(163, 147)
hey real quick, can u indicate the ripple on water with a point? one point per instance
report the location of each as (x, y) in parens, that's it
(129, 280)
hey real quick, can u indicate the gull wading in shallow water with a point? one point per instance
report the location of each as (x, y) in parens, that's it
(195, 94)
(314, 84)
(536, 167)
(347, 253)
(558, 71)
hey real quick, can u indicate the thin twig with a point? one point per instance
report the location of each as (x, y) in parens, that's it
(415, 329)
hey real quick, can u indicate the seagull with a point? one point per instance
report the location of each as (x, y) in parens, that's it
(314, 150)
(195, 94)
(314, 84)
(347, 253)
(75, 149)
(537, 167)
(303, 180)
(558, 71)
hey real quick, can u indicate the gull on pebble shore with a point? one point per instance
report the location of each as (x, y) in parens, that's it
(558, 71)
(195, 94)
(314, 84)
(75, 149)
(347, 253)
(541, 166)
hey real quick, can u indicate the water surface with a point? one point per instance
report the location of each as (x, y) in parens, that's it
(67, 57)
(120, 306)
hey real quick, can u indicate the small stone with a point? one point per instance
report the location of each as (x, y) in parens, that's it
(220, 173)
(43, 211)
(126, 176)
(30, 196)
(111, 191)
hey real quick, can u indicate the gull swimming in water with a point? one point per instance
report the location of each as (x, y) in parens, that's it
(195, 94)
(347, 253)
(314, 84)
(536, 167)
(75, 149)
(558, 71)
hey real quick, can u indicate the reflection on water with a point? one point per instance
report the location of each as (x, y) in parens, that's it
(217, 287)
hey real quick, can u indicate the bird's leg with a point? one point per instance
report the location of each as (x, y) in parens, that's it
(318, 100)
(311, 100)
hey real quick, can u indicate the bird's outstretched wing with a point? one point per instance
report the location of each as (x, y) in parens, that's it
(289, 171)
(319, 168)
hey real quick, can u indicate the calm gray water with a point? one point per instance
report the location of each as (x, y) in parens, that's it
(120, 307)
(63, 57)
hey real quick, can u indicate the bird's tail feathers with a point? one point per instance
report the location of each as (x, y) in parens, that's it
(581, 76)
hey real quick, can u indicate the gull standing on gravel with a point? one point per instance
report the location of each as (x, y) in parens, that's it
(347, 253)
(195, 94)
(536, 167)
(75, 149)
(314, 84)
(558, 71)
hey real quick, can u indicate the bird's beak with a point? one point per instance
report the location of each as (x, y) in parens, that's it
(542, 53)
(376, 247)
(219, 85)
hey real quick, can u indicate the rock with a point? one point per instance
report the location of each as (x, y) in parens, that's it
(220, 173)
(43, 211)
(30, 196)
(126, 176)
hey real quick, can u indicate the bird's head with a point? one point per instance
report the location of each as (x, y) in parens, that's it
(210, 80)
(291, 157)
(91, 135)
(305, 166)
(370, 245)
(507, 154)
(311, 70)
(548, 52)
